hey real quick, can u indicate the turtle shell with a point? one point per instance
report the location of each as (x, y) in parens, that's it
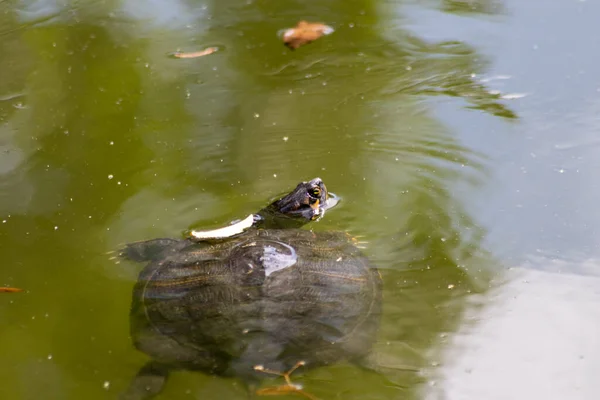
(270, 297)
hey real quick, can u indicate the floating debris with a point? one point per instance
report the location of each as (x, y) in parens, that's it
(225, 232)
(10, 289)
(304, 33)
(205, 52)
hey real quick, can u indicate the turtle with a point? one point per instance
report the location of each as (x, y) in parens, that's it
(264, 299)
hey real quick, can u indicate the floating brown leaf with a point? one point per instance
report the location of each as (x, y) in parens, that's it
(205, 52)
(10, 289)
(304, 33)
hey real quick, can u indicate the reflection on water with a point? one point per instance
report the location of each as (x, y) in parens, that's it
(473, 6)
(107, 140)
(519, 337)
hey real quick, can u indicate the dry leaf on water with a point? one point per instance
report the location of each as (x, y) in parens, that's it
(205, 52)
(304, 33)
(10, 289)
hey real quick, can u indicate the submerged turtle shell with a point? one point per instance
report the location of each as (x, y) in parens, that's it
(269, 297)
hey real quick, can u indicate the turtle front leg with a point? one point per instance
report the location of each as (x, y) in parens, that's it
(288, 387)
(149, 250)
(149, 381)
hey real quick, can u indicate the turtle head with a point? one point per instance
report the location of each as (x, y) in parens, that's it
(307, 202)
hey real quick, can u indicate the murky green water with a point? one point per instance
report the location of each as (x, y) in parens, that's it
(461, 135)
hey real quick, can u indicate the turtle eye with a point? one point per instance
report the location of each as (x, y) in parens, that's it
(315, 192)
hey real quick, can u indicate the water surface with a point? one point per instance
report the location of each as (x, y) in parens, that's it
(460, 135)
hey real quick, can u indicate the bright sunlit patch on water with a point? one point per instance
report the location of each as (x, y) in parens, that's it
(274, 260)
(513, 96)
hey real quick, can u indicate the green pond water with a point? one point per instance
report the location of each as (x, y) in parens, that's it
(462, 137)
